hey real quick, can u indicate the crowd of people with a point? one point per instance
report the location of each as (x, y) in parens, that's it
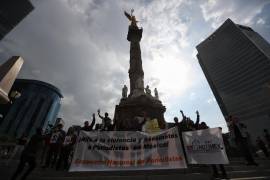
(57, 145)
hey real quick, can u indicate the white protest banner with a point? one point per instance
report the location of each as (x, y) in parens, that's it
(205, 147)
(127, 150)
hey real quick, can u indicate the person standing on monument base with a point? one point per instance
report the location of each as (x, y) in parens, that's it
(106, 121)
(86, 126)
(29, 155)
(239, 136)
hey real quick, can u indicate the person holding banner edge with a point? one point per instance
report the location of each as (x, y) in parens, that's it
(182, 126)
(216, 174)
(185, 125)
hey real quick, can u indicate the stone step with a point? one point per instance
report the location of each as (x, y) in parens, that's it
(260, 174)
(242, 161)
(195, 176)
(236, 170)
(245, 167)
(45, 172)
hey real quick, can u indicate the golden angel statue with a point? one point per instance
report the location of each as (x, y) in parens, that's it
(131, 18)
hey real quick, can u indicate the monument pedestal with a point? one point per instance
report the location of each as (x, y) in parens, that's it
(132, 107)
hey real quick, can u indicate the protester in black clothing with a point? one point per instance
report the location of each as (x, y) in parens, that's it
(56, 141)
(262, 146)
(86, 126)
(46, 144)
(267, 137)
(186, 124)
(197, 125)
(239, 135)
(66, 149)
(177, 124)
(106, 122)
(203, 125)
(180, 130)
(29, 155)
(98, 126)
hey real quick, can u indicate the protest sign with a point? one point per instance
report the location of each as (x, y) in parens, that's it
(205, 147)
(127, 150)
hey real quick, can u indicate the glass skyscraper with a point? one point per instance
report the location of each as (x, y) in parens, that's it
(236, 62)
(12, 13)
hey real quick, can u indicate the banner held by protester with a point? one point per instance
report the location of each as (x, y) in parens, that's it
(205, 147)
(127, 150)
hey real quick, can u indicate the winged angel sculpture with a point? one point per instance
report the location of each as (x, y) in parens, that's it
(131, 18)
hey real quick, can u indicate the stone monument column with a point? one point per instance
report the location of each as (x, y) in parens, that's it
(138, 102)
(136, 74)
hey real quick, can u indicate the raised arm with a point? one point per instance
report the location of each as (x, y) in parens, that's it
(93, 121)
(197, 120)
(183, 116)
(101, 117)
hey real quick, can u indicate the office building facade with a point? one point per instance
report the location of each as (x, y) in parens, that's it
(11, 13)
(236, 62)
(37, 106)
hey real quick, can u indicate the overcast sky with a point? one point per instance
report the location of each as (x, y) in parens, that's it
(80, 47)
